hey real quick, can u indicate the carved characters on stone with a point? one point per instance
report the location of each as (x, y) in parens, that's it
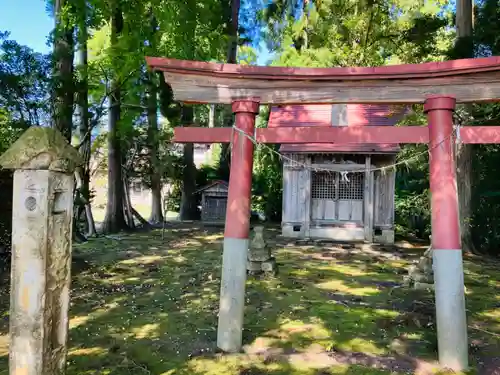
(41, 250)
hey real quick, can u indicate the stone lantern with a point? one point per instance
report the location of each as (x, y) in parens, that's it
(259, 254)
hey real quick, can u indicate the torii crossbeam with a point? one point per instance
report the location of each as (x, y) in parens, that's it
(438, 85)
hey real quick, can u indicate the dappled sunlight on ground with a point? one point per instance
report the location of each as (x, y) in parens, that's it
(4, 345)
(340, 286)
(141, 305)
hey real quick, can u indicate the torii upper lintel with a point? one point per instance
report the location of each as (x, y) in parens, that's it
(468, 80)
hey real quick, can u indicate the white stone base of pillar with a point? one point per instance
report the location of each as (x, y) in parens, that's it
(232, 294)
(450, 309)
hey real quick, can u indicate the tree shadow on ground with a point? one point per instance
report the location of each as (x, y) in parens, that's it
(141, 305)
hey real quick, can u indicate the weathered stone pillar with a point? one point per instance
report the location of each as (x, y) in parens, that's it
(41, 250)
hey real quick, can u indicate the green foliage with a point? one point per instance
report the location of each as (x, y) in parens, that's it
(412, 197)
(318, 33)
(207, 174)
(8, 132)
(184, 30)
(24, 79)
(247, 55)
(268, 177)
(358, 33)
(24, 82)
(173, 200)
(485, 221)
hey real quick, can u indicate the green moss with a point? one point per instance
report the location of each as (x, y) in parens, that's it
(147, 306)
(37, 140)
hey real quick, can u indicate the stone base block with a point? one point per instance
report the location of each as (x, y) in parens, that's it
(385, 238)
(259, 255)
(328, 233)
(423, 286)
(268, 266)
(292, 231)
(253, 266)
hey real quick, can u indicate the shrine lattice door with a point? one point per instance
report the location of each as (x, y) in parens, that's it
(337, 200)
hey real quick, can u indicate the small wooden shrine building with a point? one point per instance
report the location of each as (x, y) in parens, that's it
(213, 202)
(337, 191)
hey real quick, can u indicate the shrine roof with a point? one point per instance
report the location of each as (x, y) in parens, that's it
(211, 184)
(468, 80)
(325, 115)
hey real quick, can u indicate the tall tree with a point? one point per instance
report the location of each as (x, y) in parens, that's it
(232, 31)
(185, 30)
(114, 221)
(464, 48)
(156, 215)
(196, 41)
(83, 114)
(188, 208)
(153, 139)
(232, 53)
(63, 87)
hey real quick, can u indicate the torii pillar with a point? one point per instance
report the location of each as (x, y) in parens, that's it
(237, 228)
(446, 246)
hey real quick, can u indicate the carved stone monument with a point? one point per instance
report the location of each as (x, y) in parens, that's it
(259, 254)
(41, 250)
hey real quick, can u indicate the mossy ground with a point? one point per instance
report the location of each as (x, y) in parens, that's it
(141, 306)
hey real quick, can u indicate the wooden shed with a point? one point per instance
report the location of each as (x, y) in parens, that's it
(214, 202)
(337, 191)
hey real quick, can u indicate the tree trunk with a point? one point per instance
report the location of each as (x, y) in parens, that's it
(87, 209)
(91, 229)
(156, 215)
(156, 210)
(63, 87)
(225, 150)
(188, 209)
(232, 50)
(211, 116)
(114, 220)
(138, 216)
(464, 48)
(232, 53)
(127, 203)
(83, 115)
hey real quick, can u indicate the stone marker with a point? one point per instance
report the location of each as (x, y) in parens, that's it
(41, 250)
(421, 275)
(259, 254)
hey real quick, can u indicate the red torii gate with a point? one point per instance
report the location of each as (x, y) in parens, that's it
(438, 85)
